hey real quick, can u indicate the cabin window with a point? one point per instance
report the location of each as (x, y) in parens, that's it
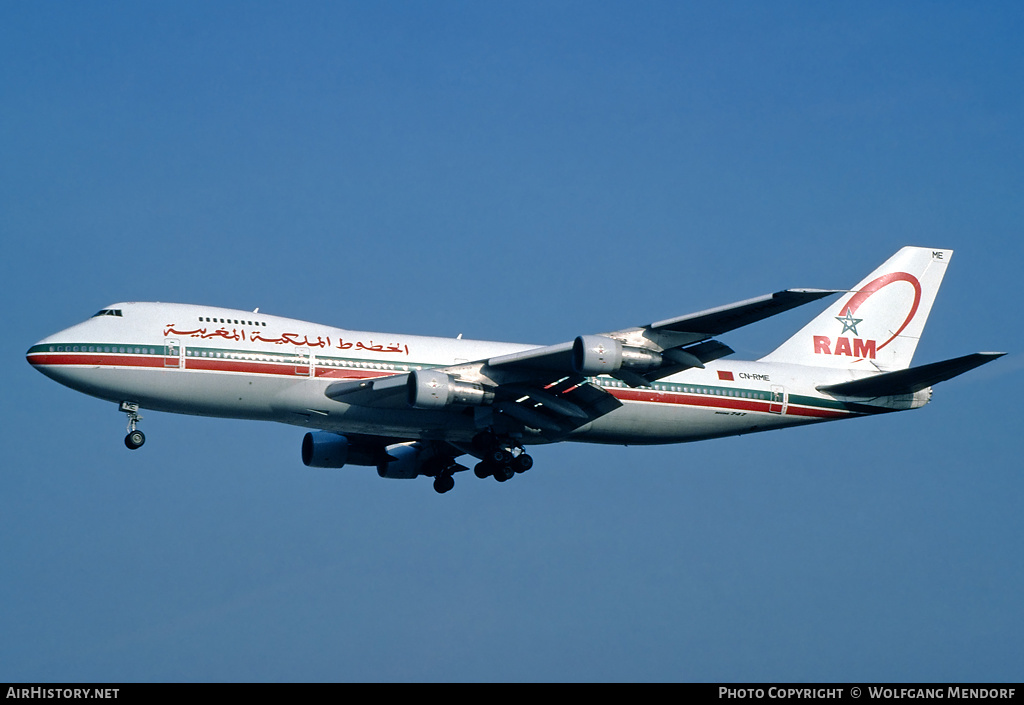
(207, 319)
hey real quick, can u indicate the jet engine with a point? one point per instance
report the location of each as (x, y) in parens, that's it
(430, 389)
(404, 461)
(322, 449)
(598, 354)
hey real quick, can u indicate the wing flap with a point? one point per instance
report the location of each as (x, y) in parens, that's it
(556, 409)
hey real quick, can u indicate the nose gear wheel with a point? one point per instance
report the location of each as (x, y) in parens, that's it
(135, 437)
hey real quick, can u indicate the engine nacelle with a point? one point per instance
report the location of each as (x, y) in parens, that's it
(405, 460)
(597, 354)
(430, 389)
(640, 359)
(323, 449)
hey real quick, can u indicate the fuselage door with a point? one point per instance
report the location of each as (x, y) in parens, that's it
(173, 353)
(778, 401)
(303, 362)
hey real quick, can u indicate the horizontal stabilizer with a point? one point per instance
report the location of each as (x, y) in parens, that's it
(910, 380)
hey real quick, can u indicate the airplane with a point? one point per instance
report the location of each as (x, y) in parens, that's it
(412, 405)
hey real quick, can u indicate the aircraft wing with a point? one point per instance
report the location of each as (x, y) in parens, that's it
(639, 356)
(388, 392)
(546, 388)
(555, 407)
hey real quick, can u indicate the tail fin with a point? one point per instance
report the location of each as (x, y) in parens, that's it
(877, 325)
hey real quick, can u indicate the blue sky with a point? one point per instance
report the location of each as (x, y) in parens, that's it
(525, 172)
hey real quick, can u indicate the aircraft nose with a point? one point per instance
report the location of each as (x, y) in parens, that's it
(42, 353)
(36, 354)
(48, 355)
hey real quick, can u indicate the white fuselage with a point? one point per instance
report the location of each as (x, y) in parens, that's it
(210, 361)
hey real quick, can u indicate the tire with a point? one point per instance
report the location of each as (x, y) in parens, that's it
(134, 440)
(503, 473)
(443, 483)
(500, 456)
(522, 463)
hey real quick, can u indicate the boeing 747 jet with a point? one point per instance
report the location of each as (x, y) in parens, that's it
(414, 405)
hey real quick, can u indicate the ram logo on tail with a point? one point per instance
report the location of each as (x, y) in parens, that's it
(844, 346)
(878, 323)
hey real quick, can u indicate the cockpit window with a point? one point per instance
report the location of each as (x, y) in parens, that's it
(107, 312)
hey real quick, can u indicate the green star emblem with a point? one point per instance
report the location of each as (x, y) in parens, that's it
(849, 322)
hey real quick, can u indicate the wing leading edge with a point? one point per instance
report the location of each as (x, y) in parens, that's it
(723, 319)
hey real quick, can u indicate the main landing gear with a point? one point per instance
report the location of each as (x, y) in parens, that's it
(135, 437)
(503, 461)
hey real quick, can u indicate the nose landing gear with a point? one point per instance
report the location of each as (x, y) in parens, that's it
(135, 437)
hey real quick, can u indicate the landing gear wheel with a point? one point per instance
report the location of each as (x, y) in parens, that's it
(443, 483)
(134, 440)
(522, 463)
(503, 473)
(500, 456)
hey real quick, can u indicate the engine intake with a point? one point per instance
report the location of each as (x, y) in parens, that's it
(323, 449)
(430, 389)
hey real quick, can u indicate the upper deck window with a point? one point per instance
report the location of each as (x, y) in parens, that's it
(107, 312)
(231, 321)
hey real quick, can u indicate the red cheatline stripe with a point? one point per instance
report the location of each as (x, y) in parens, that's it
(816, 412)
(94, 360)
(733, 403)
(285, 369)
(288, 370)
(215, 365)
